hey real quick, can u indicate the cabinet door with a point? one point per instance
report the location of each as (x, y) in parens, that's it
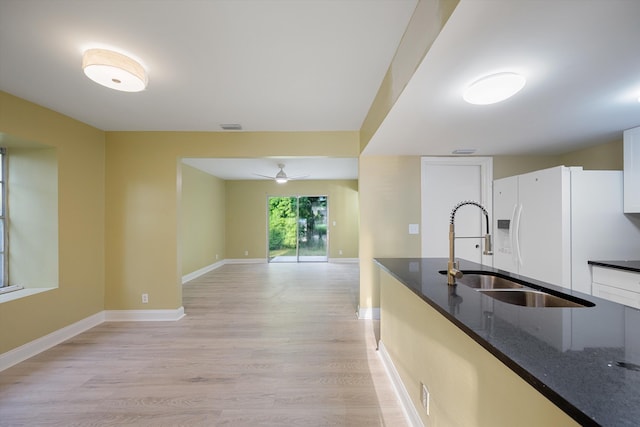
(632, 170)
(615, 285)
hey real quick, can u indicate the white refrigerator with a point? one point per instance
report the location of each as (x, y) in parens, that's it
(549, 223)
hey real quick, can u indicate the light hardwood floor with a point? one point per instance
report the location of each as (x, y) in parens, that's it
(261, 345)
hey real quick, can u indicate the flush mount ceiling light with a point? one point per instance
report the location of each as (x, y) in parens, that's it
(114, 70)
(494, 88)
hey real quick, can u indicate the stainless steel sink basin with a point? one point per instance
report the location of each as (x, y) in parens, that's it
(512, 292)
(531, 298)
(485, 281)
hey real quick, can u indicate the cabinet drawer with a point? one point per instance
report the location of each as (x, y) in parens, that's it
(621, 296)
(622, 279)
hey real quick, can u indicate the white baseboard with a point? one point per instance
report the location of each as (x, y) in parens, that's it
(200, 272)
(345, 260)
(410, 410)
(30, 349)
(246, 261)
(369, 313)
(143, 315)
(218, 264)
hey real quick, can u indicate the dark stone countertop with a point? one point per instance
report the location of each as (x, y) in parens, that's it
(585, 360)
(633, 266)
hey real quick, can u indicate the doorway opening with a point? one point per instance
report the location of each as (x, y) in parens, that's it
(297, 229)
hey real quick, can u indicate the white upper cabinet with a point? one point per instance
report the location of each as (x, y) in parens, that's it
(632, 170)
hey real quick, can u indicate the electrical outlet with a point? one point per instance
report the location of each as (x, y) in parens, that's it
(414, 228)
(145, 298)
(424, 397)
(216, 256)
(246, 253)
(340, 252)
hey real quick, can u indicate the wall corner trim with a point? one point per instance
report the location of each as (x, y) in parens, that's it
(369, 313)
(410, 410)
(32, 348)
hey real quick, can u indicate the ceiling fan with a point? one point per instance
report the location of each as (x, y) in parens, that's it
(281, 177)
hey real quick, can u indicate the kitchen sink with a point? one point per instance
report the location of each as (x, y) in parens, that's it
(486, 281)
(512, 292)
(532, 298)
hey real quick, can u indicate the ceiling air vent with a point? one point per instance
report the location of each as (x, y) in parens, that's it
(464, 151)
(231, 126)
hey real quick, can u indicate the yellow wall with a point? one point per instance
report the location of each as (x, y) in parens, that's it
(428, 19)
(247, 214)
(202, 219)
(468, 386)
(142, 216)
(504, 166)
(119, 204)
(389, 202)
(81, 198)
(607, 156)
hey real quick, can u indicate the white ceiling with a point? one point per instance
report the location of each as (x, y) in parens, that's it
(270, 65)
(312, 65)
(582, 66)
(313, 168)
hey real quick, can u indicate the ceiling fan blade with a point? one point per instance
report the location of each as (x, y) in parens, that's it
(265, 176)
(281, 176)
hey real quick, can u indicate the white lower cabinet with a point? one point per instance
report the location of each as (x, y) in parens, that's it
(619, 286)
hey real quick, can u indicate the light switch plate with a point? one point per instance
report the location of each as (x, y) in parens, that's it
(414, 228)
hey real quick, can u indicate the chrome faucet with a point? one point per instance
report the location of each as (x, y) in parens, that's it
(452, 267)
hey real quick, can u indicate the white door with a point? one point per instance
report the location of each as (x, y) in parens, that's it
(447, 181)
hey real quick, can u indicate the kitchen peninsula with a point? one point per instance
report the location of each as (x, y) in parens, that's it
(487, 362)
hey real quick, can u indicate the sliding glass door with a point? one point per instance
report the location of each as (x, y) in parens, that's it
(312, 228)
(297, 229)
(283, 228)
